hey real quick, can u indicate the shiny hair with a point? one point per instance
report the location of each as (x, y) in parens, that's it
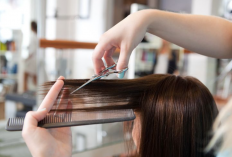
(176, 113)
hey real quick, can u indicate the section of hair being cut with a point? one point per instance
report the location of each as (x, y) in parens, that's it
(174, 114)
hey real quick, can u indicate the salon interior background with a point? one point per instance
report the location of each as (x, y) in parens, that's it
(85, 21)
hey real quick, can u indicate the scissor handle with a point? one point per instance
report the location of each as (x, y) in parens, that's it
(123, 70)
(103, 71)
(103, 74)
(114, 72)
(110, 67)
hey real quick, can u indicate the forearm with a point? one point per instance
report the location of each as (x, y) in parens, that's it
(207, 35)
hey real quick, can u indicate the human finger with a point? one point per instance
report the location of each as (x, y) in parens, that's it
(57, 103)
(32, 118)
(108, 57)
(69, 108)
(98, 54)
(62, 104)
(52, 95)
(61, 78)
(123, 60)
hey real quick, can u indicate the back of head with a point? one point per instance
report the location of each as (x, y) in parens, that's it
(176, 116)
(176, 113)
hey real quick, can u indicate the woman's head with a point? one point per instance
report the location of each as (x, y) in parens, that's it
(175, 118)
(174, 114)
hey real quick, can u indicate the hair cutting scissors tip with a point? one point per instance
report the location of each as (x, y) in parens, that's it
(106, 72)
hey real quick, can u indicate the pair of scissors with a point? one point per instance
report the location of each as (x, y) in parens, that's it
(106, 72)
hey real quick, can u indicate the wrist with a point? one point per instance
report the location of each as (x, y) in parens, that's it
(143, 19)
(150, 17)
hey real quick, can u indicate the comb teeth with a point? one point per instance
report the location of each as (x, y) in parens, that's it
(16, 121)
(60, 118)
(15, 124)
(76, 118)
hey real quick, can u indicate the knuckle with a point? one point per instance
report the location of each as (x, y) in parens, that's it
(107, 56)
(24, 133)
(29, 114)
(125, 48)
(103, 37)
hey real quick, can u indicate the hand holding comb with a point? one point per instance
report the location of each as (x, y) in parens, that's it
(85, 108)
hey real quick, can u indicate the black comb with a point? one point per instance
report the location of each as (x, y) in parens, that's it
(76, 118)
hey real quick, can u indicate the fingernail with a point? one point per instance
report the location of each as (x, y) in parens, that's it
(121, 75)
(103, 68)
(43, 109)
(60, 78)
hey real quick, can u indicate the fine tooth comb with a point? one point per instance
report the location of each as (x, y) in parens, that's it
(76, 118)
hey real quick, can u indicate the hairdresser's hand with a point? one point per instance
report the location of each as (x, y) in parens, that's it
(126, 35)
(47, 142)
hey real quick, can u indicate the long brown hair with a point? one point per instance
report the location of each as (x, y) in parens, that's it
(176, 113)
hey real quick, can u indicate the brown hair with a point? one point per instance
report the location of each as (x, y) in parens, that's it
(34, 26)
(176, 112)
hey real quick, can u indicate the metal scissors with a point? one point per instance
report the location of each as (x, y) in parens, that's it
(106, 72)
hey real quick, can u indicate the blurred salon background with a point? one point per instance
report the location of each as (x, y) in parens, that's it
(43, 39)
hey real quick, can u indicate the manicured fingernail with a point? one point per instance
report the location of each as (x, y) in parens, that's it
(121, 75)
(42, 109)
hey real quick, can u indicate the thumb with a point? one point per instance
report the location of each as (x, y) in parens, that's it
(123, 62)
(33, 117)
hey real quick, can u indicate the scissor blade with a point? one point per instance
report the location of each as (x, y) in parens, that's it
(82, 86)
(95, 78)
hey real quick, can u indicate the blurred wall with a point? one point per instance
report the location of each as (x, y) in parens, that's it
(152, 3)
(90, 30)
(74, 28)
(215, 7)
(206, 7)
(202, 7)
(176, 6)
